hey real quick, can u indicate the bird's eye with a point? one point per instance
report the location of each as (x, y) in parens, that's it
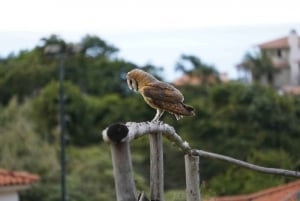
(130, 82)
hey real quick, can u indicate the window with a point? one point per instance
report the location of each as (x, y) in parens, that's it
(279, 53)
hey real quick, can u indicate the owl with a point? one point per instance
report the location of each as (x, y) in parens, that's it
(158, 95)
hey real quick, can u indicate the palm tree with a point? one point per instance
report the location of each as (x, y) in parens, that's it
(260, 64)
(206, 73)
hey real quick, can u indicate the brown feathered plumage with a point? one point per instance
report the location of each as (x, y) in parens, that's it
(159, 95)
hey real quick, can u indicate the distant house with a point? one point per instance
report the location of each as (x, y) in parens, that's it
(285, 55)
(196, 80)
(187, 80)
(12, 182)
(286, 192)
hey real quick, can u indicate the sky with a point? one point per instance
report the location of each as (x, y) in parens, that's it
(157, 31)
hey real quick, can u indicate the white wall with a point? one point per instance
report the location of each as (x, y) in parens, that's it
(294, 58)
(13, 196)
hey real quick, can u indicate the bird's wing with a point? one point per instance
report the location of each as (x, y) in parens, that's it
(160, 91)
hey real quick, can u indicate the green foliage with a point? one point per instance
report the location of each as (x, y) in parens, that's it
(96, 175)
(20, 143)
(23, 149)
(260, 64)
(85, 115)
(47, 103)
(98, 76)
(175, 195)
(29, 71)
(95, 46)
(243, 122)
(252, 123)
(193, 66)
(239, 180)
(23, 76)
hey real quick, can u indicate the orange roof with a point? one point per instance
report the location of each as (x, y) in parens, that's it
(186, 79)
(279, 193)
(295, 90)
(277, 43)
(10, 178)
(196, 80)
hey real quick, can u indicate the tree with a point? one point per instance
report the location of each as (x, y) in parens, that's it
(23, 75)
(231, 118)
(80, 114)
(94, 46)
(239, 180)
(235, 119)
(23, 149)
(260, 64)
(207, 73)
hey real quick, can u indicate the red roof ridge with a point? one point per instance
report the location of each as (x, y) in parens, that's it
(277, 188)
(276, 43)
(8, 178)
(258, 194)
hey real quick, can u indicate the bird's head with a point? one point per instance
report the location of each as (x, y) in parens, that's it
(132, 82)
(137, 79)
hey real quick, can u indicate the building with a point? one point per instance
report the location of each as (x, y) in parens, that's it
(285, 55)
(286, 192)
(12, 182)
(194, 80)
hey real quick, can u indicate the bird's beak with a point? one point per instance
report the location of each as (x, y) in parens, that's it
(129, 84)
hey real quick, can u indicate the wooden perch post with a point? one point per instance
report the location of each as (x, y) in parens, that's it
(192, 177)
(156, 167)
(120, 135)
(121, 159)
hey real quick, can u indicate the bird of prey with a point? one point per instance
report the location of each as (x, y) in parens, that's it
(159, 95)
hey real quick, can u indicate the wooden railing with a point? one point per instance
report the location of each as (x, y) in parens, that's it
(120, 135)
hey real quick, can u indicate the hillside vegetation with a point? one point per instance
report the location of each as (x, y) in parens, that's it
(249, 122)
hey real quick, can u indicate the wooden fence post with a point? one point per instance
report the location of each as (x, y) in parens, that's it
(119, 135)
(122, 165)
(192, 177)
(156, 167)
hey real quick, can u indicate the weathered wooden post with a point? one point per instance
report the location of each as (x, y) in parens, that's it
(156, 167)
(119, 135)
(121, 159)
(192, 177)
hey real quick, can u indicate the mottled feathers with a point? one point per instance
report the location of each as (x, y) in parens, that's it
(159, 95)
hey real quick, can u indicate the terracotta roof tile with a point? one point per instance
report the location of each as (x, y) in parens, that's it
(277, 43)
(196, 80)
(8, 178)
(295, 90)
(186, 79)
(279, 193)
